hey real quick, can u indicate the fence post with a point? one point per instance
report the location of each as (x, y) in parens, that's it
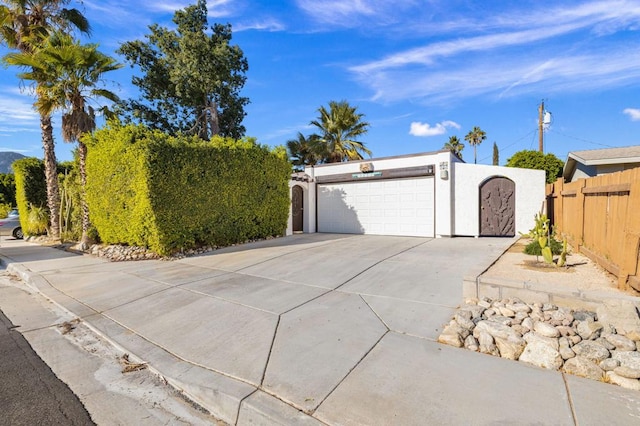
(580, 213)
(629, 263)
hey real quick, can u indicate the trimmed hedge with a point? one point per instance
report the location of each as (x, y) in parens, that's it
(173, 193)
(31, 189)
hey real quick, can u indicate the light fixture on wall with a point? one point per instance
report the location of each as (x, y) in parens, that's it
(444, 170)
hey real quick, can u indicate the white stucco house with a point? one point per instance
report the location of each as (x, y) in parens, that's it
(433, 194)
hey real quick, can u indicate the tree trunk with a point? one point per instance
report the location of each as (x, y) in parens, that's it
(86, 241)
(51, 175)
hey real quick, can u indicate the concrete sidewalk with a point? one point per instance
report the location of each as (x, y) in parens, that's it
(316, 329)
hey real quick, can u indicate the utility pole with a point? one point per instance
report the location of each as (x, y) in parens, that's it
(541, 127)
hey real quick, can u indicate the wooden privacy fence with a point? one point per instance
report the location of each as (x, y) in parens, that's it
(600, 216)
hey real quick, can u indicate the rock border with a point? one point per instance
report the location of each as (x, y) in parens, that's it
(602, 345)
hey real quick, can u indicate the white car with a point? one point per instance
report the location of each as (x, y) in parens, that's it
(11, 225)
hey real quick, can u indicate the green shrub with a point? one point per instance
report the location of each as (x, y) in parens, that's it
(31, 190)
(7, 188)
(37, 220)
(173, 193)
(5, 209)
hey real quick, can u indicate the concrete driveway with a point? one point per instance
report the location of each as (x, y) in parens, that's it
(319, 328)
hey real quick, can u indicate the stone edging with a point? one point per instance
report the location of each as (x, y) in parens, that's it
(602, 345)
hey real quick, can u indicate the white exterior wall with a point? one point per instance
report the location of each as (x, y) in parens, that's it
(443, 205)
(530, 194)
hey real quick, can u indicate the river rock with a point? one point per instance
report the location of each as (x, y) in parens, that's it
(533, 337)
(566, 330)
(451, 339)
(628, 359)
(475, 310)
(518, 307)
(584, 316)
(583, 367)
(527, 323)
(487, 344)
(591, 350)
(546, 330)
(620, 342)
(604, 342)
(463, 318)
(506, 312)
(501, 319)
(623, 381)
(471, 343)
(542, 355)
(589, 330)
(564, 347)
(629, 373)
(609, 364)
(621, 315)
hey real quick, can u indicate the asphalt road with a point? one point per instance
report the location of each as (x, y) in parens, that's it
(30, 394)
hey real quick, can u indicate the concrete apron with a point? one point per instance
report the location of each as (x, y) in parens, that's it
(314, 328)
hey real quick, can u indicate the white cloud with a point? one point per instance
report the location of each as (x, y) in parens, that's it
(271, 25)
(16, 112)
(425, 129)
(519, 51)
(354, 13)
(633, 113)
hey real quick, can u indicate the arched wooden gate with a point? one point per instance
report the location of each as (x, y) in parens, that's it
(497, 207)
(297, 208)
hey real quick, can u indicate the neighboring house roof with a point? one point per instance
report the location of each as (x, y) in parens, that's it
(597, 157)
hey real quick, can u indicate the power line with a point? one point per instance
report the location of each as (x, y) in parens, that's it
(582, 140)
(511, 144)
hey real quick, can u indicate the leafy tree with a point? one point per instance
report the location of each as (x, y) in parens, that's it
(24, 25)
(455, 146)
(475, 138)
(304, 151)
(536, 160)
(72, 73)
(192, 80)
(339, 127)
(7, 189)
(496, 155)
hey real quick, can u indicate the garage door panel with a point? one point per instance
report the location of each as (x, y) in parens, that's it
(385, 207)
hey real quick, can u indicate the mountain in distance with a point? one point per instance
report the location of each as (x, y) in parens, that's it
(6, 159)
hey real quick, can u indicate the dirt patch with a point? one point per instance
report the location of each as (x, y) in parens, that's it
(579, 273)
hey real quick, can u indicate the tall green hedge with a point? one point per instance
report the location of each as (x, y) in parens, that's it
(31, 189)
(172, 193)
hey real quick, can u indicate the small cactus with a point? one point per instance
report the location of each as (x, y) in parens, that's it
(562, 260)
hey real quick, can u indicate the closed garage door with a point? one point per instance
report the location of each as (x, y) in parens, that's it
(381, 207)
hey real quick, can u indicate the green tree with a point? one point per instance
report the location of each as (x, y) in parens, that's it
(475, 138)
(455, 146)
(304, 151)
(7, 189)
(24, 25)
(192, 80)
(340, 126)
(72, 74)
(496, 155)
(536, 160)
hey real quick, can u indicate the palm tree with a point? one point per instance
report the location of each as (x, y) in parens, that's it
(24, 25)
(475, 138)
(455, 146)
(340, 127)
(304, 151)
(71, 73)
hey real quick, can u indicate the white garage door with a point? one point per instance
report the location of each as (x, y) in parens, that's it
(381, 207)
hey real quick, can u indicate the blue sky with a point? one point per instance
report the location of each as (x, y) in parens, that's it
(420, 71)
